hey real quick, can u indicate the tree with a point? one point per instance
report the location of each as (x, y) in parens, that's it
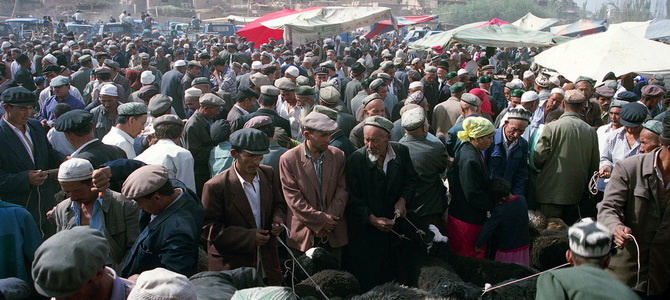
(625, 11)
(507, 10)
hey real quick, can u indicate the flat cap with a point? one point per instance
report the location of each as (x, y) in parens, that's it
(370, 98)
(471, 99)
(328, 64)
(269, 90)
(618, 103)
(285, 84)
(112, 64)
(103, 70)
(488, 67)
(589, 239)
(451, 75)
(585, 78)
(357, 68)
(375, 84)
(484, 79)
(259, 79)
(319, 122)
(519, 113)
(380, 122)
(517, 93)
(194, 63)
(162, 284)
(18, 96)
(144, 181)
(168, 119)
(73, 120)
(258, 122)
(75, 169)
(413, 119)
(192, 92)
(60, 80)
(633, 114)
(605, 91)
(384, 76)
(132, 109)
(573, 96)
(320, 70)
(209, 99)
(654, 126)
(220, 131)
(329, 95)
(159, 105)
(431, 69)
(68, 260)
(304, 90)
(529, 96)
(144, 55)
(652, 90)
(200, 80)
(457, 87)
(627, 96)
(415, 98)
(250, 140)
(386, 65)
(84, 59)
(302, 80)
(246, 92)
(331, 113)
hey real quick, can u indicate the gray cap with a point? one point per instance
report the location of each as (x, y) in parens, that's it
(413, 119)
(431, 69)
(471, 99)
(209, 99)
(331, 113)
(250, 140)
(68, 260)
(112, 64)
(259, 79)
(376, 83)
(329, 95)
(258, 122)
(369, 99)
(384, 76)
(59, 81)
(159, 104)
(285, 84)
(200, 80)
(144, 181)
(269, 90)
(144, 55)
(132, 109)
(302, 80)
(380, 122)
(168, 119)
(654, 126)
(319, 122)
(84, 58)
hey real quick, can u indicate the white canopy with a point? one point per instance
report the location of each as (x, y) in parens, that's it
(325, 22)
(234, 18)
(653, 29)
(616, 50)
(533, 22)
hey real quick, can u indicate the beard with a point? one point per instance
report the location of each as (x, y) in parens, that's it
(374, 157)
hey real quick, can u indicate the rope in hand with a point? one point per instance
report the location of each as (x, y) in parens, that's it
(295, 262)
(593, 183)
(488, 287)
(637, 248)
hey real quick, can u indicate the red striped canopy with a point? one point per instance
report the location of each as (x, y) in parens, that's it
(257, 33)
(386, 25)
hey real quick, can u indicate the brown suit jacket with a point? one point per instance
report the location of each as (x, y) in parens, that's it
(229, 225)
(301, 190)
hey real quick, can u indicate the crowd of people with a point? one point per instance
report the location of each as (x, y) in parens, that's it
(128, 155)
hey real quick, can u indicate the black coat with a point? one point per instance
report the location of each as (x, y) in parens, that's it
(98, 153)
(468, 182)
(277, 120)
(25, 79)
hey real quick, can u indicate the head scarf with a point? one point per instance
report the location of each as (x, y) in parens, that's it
(475, 127)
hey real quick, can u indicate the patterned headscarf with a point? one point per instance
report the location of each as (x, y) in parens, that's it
(475, 127)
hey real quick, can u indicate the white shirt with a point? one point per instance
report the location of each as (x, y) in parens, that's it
(177, 160)
(121, 139)
(292, 115)
(390, 155)
(22, 138)
(253, 192)
(59, 142)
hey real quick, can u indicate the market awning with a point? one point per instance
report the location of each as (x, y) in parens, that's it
(387, 25)
(616, 50)
(494, 33)
(580, 28)
(533, 22)
(234, 18)
(308, 26)
(258, 33)
(655, 29)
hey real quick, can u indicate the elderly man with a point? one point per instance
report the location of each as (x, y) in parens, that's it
(61, 94)
(651, 95)
(338, 139)
(589, 254)
(429, 158)
(167, 151)
(604, 96)
(642, 215)
(514, 101)
(23, 166)
(191, 101)
(312, 179)
(446, 113)
(469, 108)
(649, 137)
(107, 212)
(381, 181)
(373, 105)
(591, 112)
(170, 223)
(567, 154)
(171, 86)
(330, 97)
(244, 210)
(130, 123)
(197, 136)
(105, 115)
(287, 107)
(83, 76)
(80, 255)
(552, 103)
(530, 101)
(78, 127)
(507, 157)
(192, 72)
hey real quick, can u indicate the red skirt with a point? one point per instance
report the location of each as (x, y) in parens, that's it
(518, 256)
(463, 236)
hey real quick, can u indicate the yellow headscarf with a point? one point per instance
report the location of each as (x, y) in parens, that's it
(475, 127)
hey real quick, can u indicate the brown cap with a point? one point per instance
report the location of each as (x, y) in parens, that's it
(574, 96)
(319, 122)
(144, 181)
(257, 122)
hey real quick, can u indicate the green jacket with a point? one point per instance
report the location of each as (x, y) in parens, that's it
(587, 281)
(567, 153)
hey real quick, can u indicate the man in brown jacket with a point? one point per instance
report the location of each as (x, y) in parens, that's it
(244, 210)
(636, 203)
(314, 187)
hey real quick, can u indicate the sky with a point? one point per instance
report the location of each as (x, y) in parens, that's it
(595, 4)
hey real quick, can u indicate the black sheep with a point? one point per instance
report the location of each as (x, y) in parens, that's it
(394, 291)
(335, 284)
(314, 260)
(519, 291)
(548, 249)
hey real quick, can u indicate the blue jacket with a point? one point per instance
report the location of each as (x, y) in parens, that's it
(512, 167)
(19, 238)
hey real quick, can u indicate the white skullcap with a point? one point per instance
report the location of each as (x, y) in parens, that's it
(159, 284)
(66, 49)
(147, 77)
(415, 84)
(529, 96)
(75, 169)
(51, 59)
(528, 74)
(180, 63)
(558, 91)
(186, 46)
(256, 65)
(6, 44)
(293, 71)
(193, 92)
(109, 90)
(461, 72)
(555, 81)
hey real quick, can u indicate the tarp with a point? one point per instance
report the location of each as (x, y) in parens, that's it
(387, 25)
(257, 33)
(580, 28)
(655, 29)
(615, 50)
(308, 26)
(494, 33)
(533, 22)
(234, 18)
